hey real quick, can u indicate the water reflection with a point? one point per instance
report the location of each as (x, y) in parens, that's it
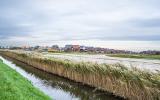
(60, 88)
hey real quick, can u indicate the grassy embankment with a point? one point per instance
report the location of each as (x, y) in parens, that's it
(15, 87)
(117, 79)
(138, 56)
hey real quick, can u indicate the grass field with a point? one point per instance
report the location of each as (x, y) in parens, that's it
(138, 56)
(15, 87)
(133, 84)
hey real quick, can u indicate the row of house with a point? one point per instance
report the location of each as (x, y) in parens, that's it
(78, 48)
(151, 52)
(70, 48)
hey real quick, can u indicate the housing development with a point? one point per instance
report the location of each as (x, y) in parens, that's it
(77, 48)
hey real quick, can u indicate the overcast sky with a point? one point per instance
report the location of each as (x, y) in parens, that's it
(49, 21)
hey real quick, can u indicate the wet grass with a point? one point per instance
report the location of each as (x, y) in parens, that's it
(15, 87)
(115, 78)
(138, 56)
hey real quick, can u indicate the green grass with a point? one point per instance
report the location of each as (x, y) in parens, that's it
(138, 56)
(15, 87)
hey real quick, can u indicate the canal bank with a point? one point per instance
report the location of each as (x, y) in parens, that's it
(57, 87)
(132, 84)
(15, 87)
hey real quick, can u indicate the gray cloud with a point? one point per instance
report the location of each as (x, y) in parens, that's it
(35, 20)
(146, 23)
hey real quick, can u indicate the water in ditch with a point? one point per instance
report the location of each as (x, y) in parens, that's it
(56, 87)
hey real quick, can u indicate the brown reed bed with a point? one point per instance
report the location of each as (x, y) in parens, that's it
(132, 84)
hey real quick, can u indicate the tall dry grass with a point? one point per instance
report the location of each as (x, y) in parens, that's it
(132, 83)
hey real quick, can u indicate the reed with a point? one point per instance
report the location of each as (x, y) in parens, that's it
(126, 82)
